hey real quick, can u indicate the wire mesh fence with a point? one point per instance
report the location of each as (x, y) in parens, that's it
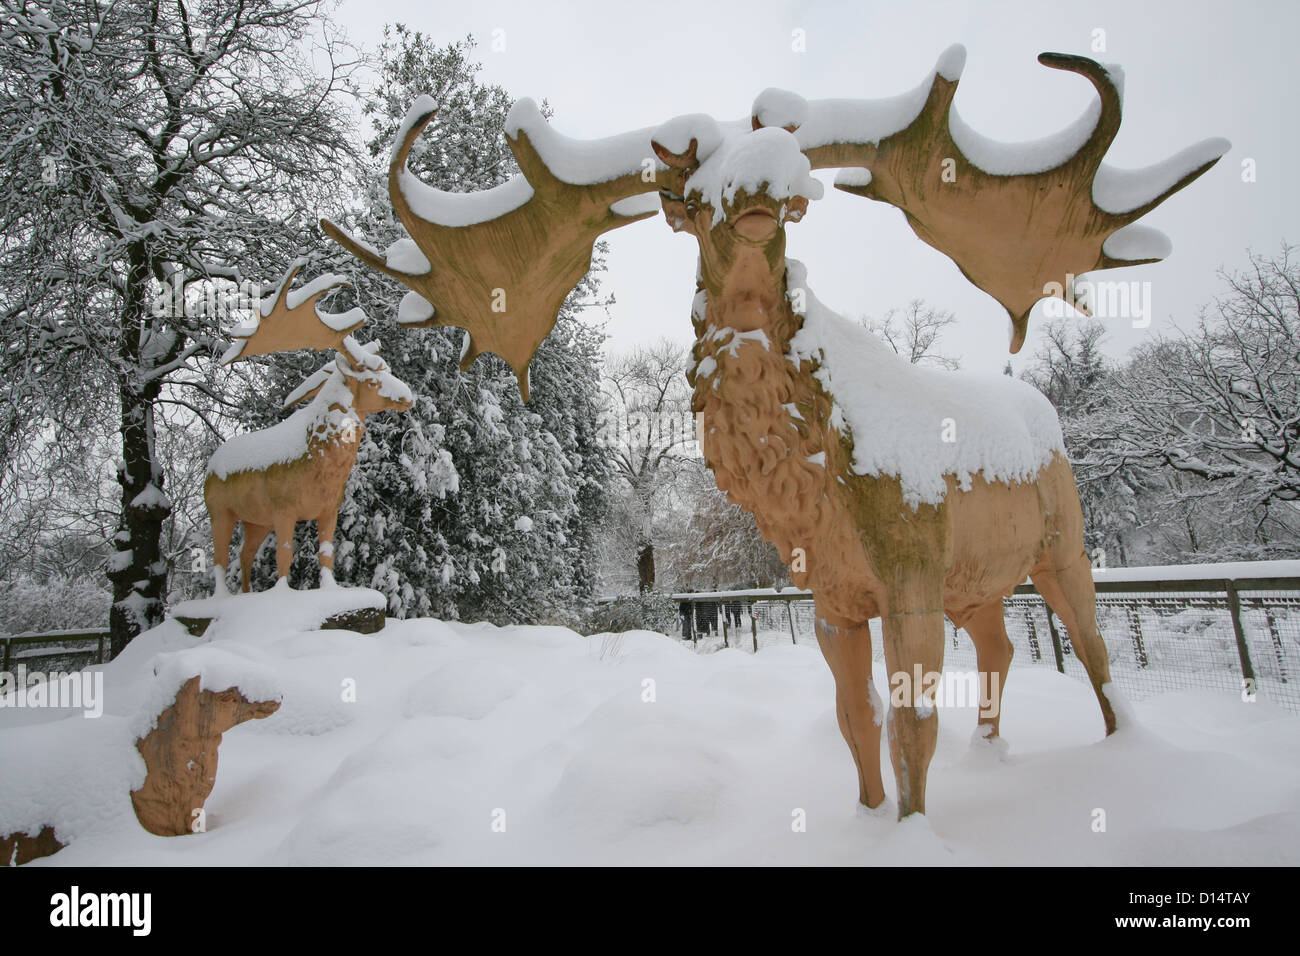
(1238, 637)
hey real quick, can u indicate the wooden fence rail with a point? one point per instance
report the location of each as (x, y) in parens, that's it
(62, 648)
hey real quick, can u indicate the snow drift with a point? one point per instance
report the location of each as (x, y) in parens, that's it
(446, 743)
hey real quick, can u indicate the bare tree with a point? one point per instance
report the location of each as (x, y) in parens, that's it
(719, 546)
(914, 332)
(649, 426)
(1069, 367)
(1223, 401)
(1209, 421)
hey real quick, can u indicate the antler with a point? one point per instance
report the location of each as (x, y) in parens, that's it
(292, 320)
(1018, 220)
(499, 263)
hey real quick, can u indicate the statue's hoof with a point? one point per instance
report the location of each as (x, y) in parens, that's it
(885, 811)
(983, 740)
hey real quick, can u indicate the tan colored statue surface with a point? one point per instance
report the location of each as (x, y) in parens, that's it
(19, 848)
(298, 470)
(180, 754)
(892, 492)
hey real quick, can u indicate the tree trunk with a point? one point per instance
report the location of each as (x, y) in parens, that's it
(645, 567)
(137, 569)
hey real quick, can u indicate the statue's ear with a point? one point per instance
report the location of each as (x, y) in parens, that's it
(676, 214)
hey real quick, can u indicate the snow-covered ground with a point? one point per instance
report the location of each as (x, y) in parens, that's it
(473, 744)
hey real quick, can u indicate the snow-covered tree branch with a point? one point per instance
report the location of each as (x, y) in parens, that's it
(148, 149)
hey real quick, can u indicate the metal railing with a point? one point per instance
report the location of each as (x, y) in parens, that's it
(1239, 635)
(61, 652)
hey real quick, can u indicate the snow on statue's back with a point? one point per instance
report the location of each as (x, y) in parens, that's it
(298, 469)
(891, 491)
(918, 424)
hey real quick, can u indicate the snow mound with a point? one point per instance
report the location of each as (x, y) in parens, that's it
(1119, 191)
(921, 424)
(414, 308)
(823, 122)
(469, 689)
(218, 668)
(279, 610)
(436, 742)
(462, 209)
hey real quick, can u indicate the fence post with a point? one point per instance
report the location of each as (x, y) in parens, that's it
(1056, 640)
(725, 641)
(1034, 645)
(753, 623)
(4, 655)
(1243, 652)
(789, 615)
(1278, 650)
(1135, 631)
(1031, 631)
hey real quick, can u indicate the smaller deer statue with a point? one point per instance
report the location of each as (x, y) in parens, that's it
(297, 470)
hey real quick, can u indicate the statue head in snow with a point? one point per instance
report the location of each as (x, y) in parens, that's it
(737, 201)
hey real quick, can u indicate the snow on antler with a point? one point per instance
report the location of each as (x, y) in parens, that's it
(499, 263)
(291, 320)
(1017, 219)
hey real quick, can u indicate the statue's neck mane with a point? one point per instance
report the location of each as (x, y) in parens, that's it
(745, 391)
(751, 296)
(333, 421)
(765, 422)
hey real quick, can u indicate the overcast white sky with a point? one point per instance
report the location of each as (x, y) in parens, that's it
(1193, 70)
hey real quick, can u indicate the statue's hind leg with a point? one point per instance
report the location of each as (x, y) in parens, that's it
(254, 535)
(1070, 593)
(223, 530)
(993, 652)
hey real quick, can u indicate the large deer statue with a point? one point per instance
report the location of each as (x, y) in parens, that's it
(298, 469)
(891, 491)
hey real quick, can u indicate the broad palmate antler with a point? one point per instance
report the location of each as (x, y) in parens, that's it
(499, 263)
(1017, 219)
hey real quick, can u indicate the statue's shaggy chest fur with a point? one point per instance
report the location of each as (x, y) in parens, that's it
(766, 435)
